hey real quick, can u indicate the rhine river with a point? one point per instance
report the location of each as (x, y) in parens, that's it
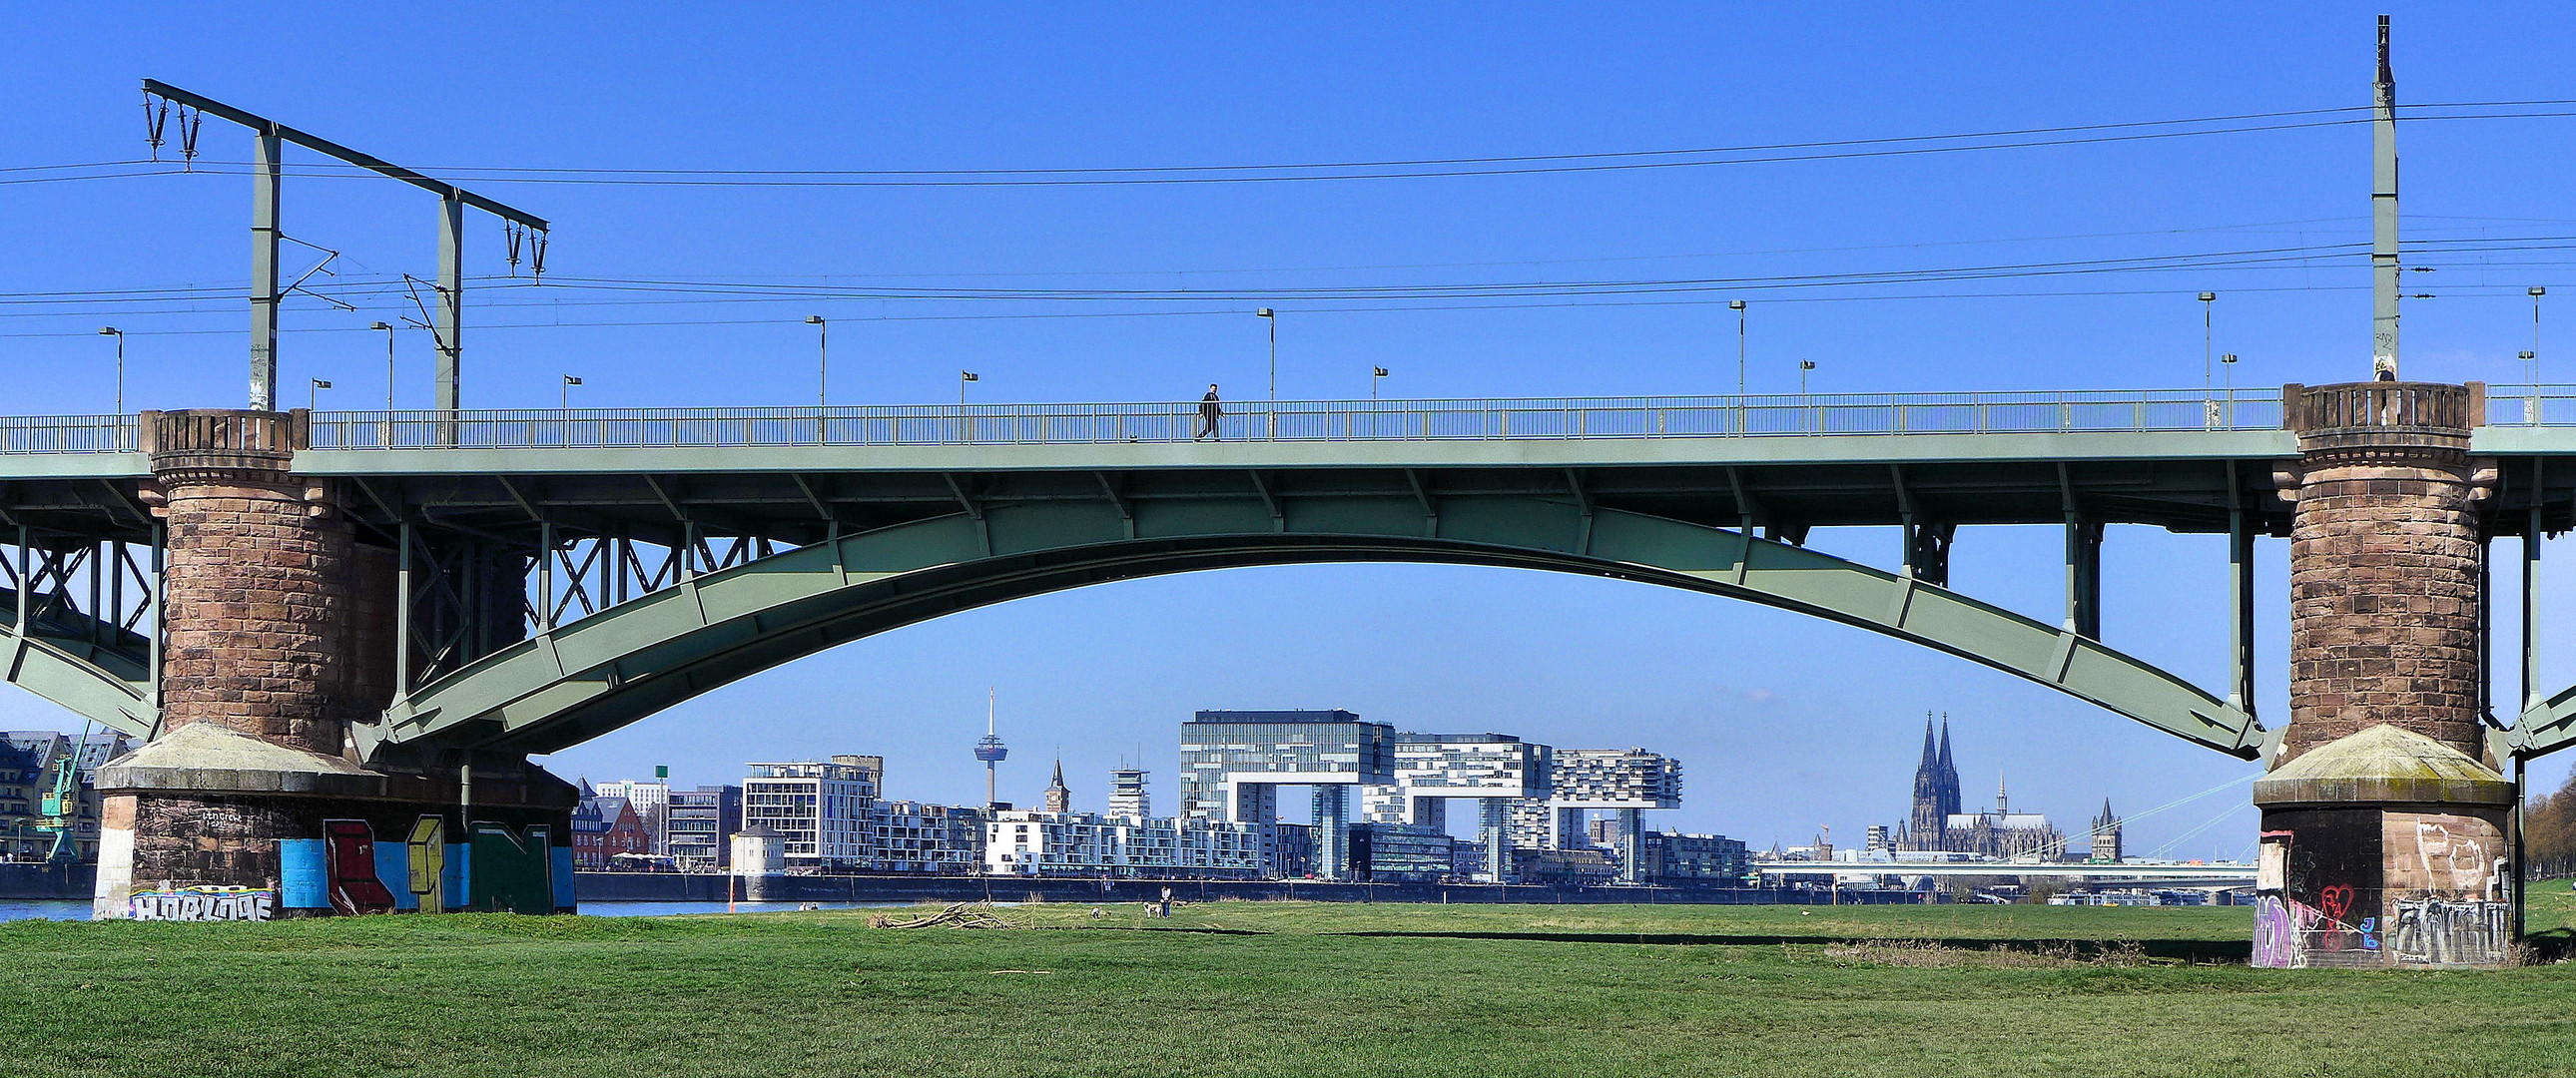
(77, 910)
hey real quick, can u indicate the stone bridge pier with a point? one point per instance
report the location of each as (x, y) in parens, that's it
(279, 629)
(2386, 825)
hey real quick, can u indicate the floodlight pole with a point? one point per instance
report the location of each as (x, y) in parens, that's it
(265, 294)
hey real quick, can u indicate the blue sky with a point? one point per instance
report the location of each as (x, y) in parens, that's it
(1784, 724)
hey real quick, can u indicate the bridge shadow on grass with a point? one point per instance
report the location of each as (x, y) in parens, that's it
(2182, 950)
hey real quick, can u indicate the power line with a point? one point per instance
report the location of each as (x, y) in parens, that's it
(1422, 168)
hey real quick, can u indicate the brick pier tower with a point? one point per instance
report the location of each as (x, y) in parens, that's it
(2385, 821)
(280, 632)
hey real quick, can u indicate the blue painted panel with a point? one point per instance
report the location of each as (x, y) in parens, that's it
(458, 875)
(302, 883)
(393, 868)
(563, 878)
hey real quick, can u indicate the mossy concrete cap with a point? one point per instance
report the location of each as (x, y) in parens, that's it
(2383, 765)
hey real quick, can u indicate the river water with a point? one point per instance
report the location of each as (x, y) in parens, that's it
(78, 910)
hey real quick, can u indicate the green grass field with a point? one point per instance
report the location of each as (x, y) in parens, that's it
(1246, 988)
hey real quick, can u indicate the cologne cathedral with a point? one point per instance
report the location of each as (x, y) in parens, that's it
(1939, 823)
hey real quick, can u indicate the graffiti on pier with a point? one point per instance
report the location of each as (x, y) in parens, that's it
(510, 874)
(202, 904)
(2448, 904)
(427, 857)
(2303, 917)
(2433, 932)
(349, 856)
(348, 872)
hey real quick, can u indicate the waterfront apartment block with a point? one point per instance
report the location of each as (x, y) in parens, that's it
(702, 824)
(910, 836)
(1023, 843)
(820, 810)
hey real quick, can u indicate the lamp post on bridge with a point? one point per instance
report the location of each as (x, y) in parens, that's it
(2207, 300)
(1272, 317)
(1737, 306)
(822, 360)
(389, 362)
(569, 381)
(1375, 373)
(112, 331)
(313, 395)
(2534, 355)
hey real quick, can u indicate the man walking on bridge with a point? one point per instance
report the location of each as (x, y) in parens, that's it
(1209, 410)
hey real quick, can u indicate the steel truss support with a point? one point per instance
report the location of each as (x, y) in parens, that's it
(83, 624)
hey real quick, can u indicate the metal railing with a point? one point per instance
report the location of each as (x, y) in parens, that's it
(66, 434)
(2531, 405)
(1310, 421)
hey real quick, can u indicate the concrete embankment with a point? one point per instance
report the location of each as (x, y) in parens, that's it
(674, 887)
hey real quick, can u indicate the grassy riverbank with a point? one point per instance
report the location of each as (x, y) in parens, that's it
(1245, 988)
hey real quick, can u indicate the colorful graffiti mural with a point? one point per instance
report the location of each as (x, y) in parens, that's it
(202, 904)
(2447, 887)
(496, 869)
(349, 855)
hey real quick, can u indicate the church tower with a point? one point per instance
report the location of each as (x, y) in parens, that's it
(2106, 835)
(1058, 797)
(1923, 828)
(1949, 773)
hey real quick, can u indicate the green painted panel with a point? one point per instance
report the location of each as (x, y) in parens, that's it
(1356, 516)
(907, 547)
(767, 583)
(1182, 517)
(1528, 523)
(1666, 544)
(1997, 636)
(1018, 529)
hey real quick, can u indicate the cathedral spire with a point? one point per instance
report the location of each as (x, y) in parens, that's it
(1931, 760)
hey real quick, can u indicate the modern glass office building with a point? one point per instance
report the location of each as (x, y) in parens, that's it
(1233, 763)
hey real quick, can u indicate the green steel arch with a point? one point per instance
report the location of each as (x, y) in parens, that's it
(588, 677)
(98, 683)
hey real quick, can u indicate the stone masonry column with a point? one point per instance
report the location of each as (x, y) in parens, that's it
(256, 589)
(248, 802)
(2384, 819)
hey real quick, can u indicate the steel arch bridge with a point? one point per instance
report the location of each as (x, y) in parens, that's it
(559, 574)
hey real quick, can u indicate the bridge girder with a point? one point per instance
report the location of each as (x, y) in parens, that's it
(587, 677)
(97, 683)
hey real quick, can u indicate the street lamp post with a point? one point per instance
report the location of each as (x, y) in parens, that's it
(389, 362)
(2227, 373)
(2534, 355)
(2206, 300)
(964, 377)
(1272, 317)
(1737, 306)
(112, 331)
(1813, 416)
(569, 381)
(822, 359)
(1375, 373)
(313, 397)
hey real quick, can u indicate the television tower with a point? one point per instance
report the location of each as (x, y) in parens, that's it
(990, 750)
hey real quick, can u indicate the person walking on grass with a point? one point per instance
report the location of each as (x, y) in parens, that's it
(1209, 410)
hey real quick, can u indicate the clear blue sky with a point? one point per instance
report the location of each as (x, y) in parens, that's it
(1784, 724)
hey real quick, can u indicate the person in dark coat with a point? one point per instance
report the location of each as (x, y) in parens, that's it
(1209, 410)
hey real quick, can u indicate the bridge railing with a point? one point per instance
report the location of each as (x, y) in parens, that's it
(66, 434)
(1311, 421)
(2530, 405)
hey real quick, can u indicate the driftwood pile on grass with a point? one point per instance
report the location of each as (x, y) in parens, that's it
(954, 915)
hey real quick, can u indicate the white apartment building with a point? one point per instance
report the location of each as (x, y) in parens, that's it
(822, 811)
(1083, 844)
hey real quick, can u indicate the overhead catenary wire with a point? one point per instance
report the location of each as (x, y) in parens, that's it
(1409, 168)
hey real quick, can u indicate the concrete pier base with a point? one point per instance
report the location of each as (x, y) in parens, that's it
(2384, 848)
